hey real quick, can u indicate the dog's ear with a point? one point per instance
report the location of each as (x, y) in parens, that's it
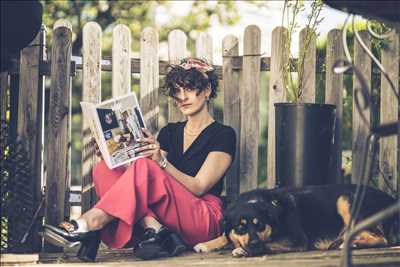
(277, 209)
(271, 208)
(226, 227)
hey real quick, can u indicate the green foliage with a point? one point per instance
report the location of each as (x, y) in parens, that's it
(362, 25)
(136, 15)
(291, 10)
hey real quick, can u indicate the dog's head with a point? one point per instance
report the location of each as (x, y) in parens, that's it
(249, 224)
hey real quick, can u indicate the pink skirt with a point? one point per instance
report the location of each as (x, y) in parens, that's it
(144, 189)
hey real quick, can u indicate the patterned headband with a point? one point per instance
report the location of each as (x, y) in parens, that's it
(196, 63)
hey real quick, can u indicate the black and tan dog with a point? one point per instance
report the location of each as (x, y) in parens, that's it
(300, 219)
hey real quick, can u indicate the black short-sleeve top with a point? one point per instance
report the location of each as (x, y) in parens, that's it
(215, 137)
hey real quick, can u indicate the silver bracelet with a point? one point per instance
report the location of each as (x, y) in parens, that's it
(163, 162)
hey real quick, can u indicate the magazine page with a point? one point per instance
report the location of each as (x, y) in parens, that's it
(121, 121)
(90, 116)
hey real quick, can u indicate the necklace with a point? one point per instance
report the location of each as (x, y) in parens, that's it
(195, 133)
(188, 132)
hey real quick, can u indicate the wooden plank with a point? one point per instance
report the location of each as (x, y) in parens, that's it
(176, 51)
(204, 47)
(333, 95)
(45, 67)
(384, 257)
(389, 113)
(16, 259)
(149, 77)
(4, 92)
(121, 60)
(230, 86)
(76, 64)
(307, 51)
(360, 129)
(59, 127)
(13, 107)
(277, 93)
(91, 92)
(30, 123)
(204, 50)
(249, 108)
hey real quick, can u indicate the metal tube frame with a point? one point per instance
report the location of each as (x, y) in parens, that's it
(372, 144)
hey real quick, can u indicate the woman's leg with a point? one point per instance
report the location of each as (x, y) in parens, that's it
(104, 178)
(95, 219)
(144, 187)
(149, 221)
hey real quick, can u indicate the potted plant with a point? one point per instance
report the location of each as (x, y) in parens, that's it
(304, 131)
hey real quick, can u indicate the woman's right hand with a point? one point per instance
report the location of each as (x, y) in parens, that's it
(152, 149)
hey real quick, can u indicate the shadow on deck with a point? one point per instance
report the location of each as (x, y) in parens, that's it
(387, 257)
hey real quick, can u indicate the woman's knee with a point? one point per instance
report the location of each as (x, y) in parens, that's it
(99, 169)
(104, 178)
(147, 171)
(147, 165)
(143, 161)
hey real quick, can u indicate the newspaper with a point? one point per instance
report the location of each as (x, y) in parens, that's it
(116, 125)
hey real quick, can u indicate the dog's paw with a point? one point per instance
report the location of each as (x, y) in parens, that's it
(239, 252)
(201, 248)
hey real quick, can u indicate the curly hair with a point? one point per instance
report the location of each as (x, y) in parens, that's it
(192, 79)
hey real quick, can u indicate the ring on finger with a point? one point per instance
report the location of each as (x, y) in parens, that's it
(152, 146)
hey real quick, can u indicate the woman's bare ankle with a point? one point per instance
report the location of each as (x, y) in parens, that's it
(150, 222)
(96, 219)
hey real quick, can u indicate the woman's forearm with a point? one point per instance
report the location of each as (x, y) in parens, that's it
(187, 181)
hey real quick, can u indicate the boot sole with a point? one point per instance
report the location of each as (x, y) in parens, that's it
(179, 245)
(57, 240)
(178, 250)
(150, 252)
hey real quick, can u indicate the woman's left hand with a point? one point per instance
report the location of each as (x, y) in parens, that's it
(152, 149)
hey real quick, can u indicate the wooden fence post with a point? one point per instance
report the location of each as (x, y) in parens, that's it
(204, 50)
(3, 95)
(309, 48)
(30, 129)
(176, 51)
(149, 77)
(360, 130)
(389, 113)
(249, 101)
(91, 92)
(230, 84)
(333, 95)
(277, 93)
(59, 132)
(121, 60)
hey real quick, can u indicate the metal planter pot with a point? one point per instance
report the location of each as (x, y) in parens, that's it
(304, 138)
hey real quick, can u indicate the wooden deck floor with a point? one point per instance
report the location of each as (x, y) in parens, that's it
(385, 257)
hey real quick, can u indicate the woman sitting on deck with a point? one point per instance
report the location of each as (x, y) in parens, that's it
(172, 196)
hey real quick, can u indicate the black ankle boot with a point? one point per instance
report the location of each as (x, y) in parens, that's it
(66, 232)
(174, 245)
(66, 235)
(89, 247)
(150, 247)
(164, 243)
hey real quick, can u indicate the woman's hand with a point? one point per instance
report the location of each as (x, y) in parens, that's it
(151, 149)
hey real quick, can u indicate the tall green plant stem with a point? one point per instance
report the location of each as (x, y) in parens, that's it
(293, 10)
